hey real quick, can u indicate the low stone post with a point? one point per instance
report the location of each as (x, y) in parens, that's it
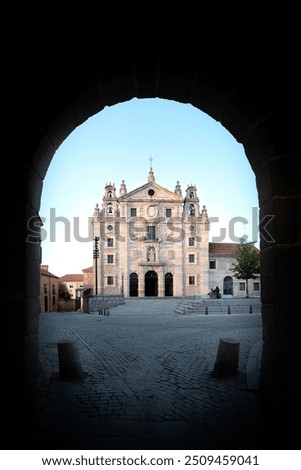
(226, 363)
(69, 361)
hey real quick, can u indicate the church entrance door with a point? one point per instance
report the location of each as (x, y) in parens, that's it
(168, 284)
(134, 285)
(228, 285)
(151, 284)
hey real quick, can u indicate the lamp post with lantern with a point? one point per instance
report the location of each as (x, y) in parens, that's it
(96, 257)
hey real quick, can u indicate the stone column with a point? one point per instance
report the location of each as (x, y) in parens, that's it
(161, 279)
(141, 282)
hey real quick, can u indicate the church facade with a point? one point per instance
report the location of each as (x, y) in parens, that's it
(155, 242)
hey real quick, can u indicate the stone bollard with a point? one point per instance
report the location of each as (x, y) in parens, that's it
(226, 363)
(69, 361)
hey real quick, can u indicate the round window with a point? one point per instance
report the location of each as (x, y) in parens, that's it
(110, 228)
(192, 228)
(151, 192)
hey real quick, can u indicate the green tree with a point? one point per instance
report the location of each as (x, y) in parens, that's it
(247, 264)
(63, 291)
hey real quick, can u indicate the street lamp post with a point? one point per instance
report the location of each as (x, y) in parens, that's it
(122, 284)
(96, 256)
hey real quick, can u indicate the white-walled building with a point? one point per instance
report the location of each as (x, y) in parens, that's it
(221, 259)
(155, 242)
(74, 284)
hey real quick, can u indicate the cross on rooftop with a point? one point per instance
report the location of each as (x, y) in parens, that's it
(151, 161)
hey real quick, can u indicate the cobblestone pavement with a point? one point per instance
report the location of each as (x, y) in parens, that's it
(147, 381)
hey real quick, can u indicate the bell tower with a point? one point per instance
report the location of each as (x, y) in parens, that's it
(110, 203)
(191, 202)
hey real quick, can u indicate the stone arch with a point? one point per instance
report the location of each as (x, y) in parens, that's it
(228, 285)
(237, 96)
(134, 281)
(168, 284)
(151, 284)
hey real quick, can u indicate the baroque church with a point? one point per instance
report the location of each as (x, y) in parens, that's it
(155, 242)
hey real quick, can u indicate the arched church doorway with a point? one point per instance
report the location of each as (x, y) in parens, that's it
(151, 284)
(168, 284)
(228, 286)
(134, 285)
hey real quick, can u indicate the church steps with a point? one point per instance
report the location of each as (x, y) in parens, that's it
(218, 306)
(186, 305)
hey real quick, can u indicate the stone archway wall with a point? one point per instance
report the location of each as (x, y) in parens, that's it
(52, 101)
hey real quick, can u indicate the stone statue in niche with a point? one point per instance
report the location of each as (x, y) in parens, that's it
(151, 254)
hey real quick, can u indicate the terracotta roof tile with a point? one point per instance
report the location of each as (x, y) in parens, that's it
(225, 249)
(47, 273)
(72, 277)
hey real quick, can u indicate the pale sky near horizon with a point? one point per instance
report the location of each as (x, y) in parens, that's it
(115, 144)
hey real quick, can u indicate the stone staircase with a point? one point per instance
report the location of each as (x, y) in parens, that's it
(145, 305)
(218, 306)
(181, 305)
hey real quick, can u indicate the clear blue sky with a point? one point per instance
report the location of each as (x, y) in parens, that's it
(185, 144)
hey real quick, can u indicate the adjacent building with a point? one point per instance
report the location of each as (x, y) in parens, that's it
(221, 259)
(88, 279)
(74, 284)
(49, 290)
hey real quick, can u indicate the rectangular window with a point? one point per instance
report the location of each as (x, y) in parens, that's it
(242, 286)
(151, 232)
(133, 212)
(110, 242)
(110, 280)
(256, 286)
(110, 259)
(212, 264)
(168, 212)
(191, 258)
(191, 241)
(191, 280)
